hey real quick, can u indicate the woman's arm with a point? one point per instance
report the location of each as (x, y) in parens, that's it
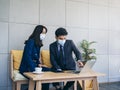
(28, 55)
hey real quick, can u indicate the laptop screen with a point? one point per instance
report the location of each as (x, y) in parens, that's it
(88, 66)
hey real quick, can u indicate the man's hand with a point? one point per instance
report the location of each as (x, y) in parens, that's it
(41, 65)
(79, 63)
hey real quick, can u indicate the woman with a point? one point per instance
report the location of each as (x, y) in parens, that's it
(31, 54)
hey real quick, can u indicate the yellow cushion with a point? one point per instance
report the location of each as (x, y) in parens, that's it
(45, 57)
(88, 84)
(17, 56)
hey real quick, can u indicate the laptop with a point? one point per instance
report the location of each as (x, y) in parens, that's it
(87, 67)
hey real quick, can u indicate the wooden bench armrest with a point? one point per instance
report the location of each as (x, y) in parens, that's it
(11, 65)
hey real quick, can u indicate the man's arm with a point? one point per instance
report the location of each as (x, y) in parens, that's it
(76, 51)
(53, 59)
(77, 54)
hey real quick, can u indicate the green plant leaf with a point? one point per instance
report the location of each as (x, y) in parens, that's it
(87, 52)
(91, 42)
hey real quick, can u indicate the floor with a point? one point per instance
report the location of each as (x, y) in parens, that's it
(107, 86)
(110, 86)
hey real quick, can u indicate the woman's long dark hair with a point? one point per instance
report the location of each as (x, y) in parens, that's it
(36, 35)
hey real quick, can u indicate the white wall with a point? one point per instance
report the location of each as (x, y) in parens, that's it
(97, 20)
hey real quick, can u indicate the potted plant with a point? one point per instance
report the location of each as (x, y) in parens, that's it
(87, 52)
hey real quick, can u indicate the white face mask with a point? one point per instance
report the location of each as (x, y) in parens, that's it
(42, 36)
(61, 42)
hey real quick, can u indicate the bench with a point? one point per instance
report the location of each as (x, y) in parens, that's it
(18, 79)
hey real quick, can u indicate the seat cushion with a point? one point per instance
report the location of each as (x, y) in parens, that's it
(45, 57)
(17, 76)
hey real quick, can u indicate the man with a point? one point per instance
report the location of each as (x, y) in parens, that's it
(61, 55)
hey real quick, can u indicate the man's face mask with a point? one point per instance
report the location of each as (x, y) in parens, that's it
(61, 42)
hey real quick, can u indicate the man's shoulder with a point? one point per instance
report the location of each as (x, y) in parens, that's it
(68, 41)
(54, 43)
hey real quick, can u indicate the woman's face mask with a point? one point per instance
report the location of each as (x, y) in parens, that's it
(42, 36)
(61, 42)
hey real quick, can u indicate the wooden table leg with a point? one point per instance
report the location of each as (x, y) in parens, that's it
(75, 85)
(95, 84)
(38, 85)
(83, 84)
(31, 85)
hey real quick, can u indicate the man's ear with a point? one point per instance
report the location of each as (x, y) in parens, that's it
(56, 37)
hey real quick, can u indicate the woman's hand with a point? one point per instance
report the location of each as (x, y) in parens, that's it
(41, 65)
(79, 63)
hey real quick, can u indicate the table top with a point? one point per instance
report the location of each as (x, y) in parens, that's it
(62, 75)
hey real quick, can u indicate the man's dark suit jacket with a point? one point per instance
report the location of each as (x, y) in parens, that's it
(69, 48)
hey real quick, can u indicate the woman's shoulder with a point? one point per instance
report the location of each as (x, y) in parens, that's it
(30, 42)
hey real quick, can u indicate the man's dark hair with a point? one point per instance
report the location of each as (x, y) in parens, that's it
(60, 32)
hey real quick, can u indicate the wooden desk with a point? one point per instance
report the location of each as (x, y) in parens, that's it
(50, 77)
